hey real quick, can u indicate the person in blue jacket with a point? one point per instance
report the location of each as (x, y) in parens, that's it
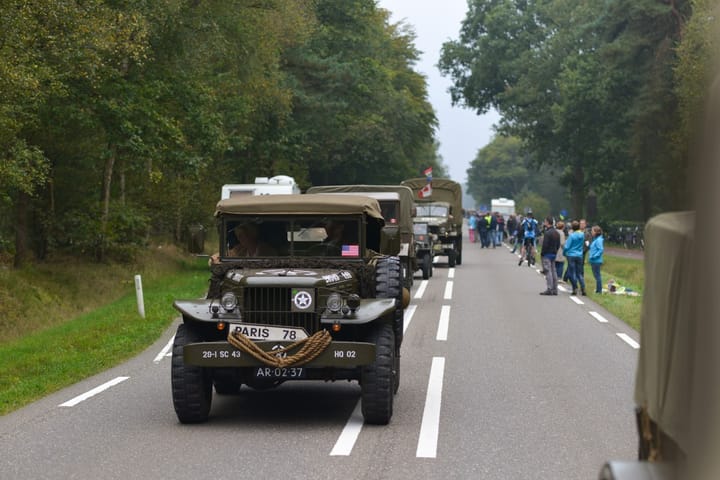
(573, 252)
(595, 256)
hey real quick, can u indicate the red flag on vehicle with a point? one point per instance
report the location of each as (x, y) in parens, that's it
(426, 191)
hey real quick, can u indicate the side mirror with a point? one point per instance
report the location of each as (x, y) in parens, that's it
(390, 240)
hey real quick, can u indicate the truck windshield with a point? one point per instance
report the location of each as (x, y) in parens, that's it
(323, 236)
(432, 211)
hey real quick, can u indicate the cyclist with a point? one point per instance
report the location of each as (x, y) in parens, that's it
(529, 227)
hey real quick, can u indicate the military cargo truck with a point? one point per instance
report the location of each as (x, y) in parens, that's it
(397, 209)
(304, 287)
(665, 370)
(442, 211)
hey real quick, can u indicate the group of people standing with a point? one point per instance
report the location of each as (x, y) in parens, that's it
(572, 247)
(487, 228)
(563, 250)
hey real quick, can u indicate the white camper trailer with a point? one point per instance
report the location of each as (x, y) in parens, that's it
(503, 206)
(279, 184)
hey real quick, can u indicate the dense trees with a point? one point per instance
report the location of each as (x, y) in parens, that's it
(590, 88)
(121, 119)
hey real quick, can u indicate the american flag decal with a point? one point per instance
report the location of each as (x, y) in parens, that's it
(350, 251)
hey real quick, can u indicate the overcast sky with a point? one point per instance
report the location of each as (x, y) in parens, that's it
(461, 132)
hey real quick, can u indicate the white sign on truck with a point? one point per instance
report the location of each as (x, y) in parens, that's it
(279, 184)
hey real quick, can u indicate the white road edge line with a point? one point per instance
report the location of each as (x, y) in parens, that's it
(164, 352)
(421, 289)
(430, 427)
(598, 317)
(626, 338)
(451, 273)
(407, 317)
(576, 300)
(443, 324)
(93, 392)
(448, 291)
(349, 435)
(562, 289)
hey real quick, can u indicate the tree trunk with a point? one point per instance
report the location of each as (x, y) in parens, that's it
(21, 229)
(577, 191)
(107, 182)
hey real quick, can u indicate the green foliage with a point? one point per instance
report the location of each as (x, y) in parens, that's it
(40, 358)
(122, 120)
(504, 169)
(532, 201)
(586, 86)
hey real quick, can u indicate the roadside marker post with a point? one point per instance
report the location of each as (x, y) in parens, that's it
(139, 294)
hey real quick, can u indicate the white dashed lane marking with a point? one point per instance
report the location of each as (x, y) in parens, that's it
(348, 437)
(407, 317)
(165, 352)
(93, 392)
(430, 427)
(443, 324)
(598, 317)
(626, 338)
(448, 291)
(421, 289)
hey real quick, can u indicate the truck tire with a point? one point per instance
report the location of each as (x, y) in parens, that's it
(191, 386)
(426, 267)
(377, 380)
(451, 258)
(388, 284)
(458, 257)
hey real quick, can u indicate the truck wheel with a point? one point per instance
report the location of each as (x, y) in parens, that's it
(377, 380)
(388, 284)
(426, 267)
(451, 258)
(191, 386)
(458, 257)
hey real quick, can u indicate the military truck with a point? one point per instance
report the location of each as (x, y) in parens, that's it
(440, 206)
(424, 247)
(396, 204)
(666, 367)
(304, 287)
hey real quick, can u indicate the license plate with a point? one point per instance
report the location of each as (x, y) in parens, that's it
(266, 332)
(280, 372)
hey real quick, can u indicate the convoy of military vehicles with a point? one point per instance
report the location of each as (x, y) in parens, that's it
(311, 287)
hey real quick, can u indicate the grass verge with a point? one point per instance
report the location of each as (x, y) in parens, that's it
(42, 362)
(627, 272)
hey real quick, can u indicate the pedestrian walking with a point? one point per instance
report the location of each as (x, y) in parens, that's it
(500, 233)
(548, 253)
(511, 225)
(472, 225)
(595, 255)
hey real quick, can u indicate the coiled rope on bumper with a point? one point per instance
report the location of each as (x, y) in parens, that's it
(310, 348)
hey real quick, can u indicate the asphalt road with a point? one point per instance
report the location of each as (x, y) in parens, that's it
(498, 382)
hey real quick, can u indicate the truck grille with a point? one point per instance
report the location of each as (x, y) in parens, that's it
(273, 306)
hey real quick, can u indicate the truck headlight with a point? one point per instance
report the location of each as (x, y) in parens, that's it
(334, 302)
(228, 301)
(353, 301)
